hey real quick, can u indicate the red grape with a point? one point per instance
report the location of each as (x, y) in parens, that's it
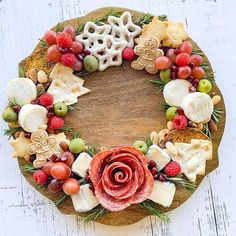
(60, 171)
(47, 167)
(198, 72)
(70, 30)
(171, 54)
(78, 66)
(77, 47)
(196, 60)
(184, 72)
(186, 47)
(55, 186)
(50, 37)
(163, 62)
(53, 53)
(71, 186)
(69, 158)
(40, 176)
(182, 59)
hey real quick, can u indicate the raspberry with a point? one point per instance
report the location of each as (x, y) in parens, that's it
(68, 59)
(40, 176)
(128, 54)
(172, 169)
(50, 37)
(180, 122)
(180, 111)
(45, 99)
(182, 59)
(64, 40)
(55, 122)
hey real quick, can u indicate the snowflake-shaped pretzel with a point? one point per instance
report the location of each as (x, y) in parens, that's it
(93, 35)
(109, 53)
(123, 28)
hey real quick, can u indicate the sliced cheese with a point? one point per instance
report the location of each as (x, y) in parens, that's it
(163, 193)
(21, 90)
(158, 155)
(198, 107)
(66, 87)
(31, 117)
(84, 200)
(175, 91)
(81, 164)
(192, 157)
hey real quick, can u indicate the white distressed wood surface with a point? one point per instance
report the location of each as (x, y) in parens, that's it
(212, 209)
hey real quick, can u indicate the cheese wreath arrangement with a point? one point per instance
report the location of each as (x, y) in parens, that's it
(103, 183)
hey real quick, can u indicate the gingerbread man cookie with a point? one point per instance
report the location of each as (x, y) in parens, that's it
(147, 53)
(42, 146)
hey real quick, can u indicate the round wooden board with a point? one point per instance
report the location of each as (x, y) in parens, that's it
(123, 106)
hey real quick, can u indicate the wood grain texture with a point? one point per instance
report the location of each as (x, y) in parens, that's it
(211, 210)
(123, 106)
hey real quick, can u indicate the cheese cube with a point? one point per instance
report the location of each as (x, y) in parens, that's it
(81, 164)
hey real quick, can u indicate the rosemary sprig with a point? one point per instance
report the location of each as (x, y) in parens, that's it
(72, 107)
(43, 187)
(198, 51)
(210, 77)
(66, 129)
(43, 43)
(216, 114)
(148, 141)
(60, 199)
(95, 213)
(205, 66)
(165, 106)
(59, 27)
(21, 71)
(159, 82)
(91, 150)
(179, 180)
(12, 102)
(11, 131)
(40, 91)
(144, 19)
(82, 73)
(82, 181)
(150, 206)
(206, 130)
(28, 168)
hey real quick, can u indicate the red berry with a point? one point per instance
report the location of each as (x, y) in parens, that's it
(50, 37)
(191, 65)
(50, 115)
(77, 47)
(40, 176)
(55, 122)
(16, 109)
(198, 72)
(182, 59)
(161, 177)
(151, 164)
(70, 30)
(177, 51)
(64, 40)
(186, 47)
(46, 99)
(53, 53)
(180, 122)
(50, 108)
(180, 111)
(54, 157)
(154, 171)
(196, 60)
(128, 54)
(195, 83)
(183, 72)
(35, 101)
(190, 78)
(27, 135)
(86, 52)
(78, 66)
(172, 169)
(68, 59)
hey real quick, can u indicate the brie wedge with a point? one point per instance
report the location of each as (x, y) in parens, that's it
(163, 193)
(158, 155)
(84, 200)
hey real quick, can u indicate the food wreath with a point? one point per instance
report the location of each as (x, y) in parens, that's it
(99, 181)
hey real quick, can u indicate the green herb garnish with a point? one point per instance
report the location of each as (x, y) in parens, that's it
(28, 168)
(60, 199)
(95, 213)
(11, 131)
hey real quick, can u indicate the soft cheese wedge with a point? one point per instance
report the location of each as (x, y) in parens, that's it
(84, 200)
(192, 157)
(81, 164)
(21, 90)
(175, 91)
(198, 107)
(158, 155)
(163, 193)
(31, 117)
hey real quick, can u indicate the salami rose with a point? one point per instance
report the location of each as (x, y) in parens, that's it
(120, 178)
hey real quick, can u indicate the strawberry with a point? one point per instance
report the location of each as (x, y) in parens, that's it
(45, 99)
(64, 40)
(172, 169)
(180, 122)
(68, 59)
(55, 122)
(128, 54)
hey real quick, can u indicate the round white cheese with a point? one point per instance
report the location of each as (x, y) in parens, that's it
(175, 91)
(21, 90)
(198, 107)
(31, 117)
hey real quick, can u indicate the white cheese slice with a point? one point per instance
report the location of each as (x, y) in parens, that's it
(21, 90)
(84, 200)
(81, 164)
(198, 107)
(163, 193)
(158, 155)
(31, 117)
(192, 157)
(175, 91)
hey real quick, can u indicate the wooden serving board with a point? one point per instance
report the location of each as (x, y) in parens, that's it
(123, 106)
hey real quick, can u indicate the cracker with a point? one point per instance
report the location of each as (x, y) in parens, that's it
(61, 137)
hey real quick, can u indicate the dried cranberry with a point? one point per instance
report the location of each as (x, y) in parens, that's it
(50, 115)
(173, 75)
(190, 79)
(27, 135)
(50, 108)
(195, 83)
(53, 157)
(86, 52)
(63, 50)
(192, 89)
(151, 164)
(87, 178)
(180, 111)
(16, 109)
(191, 65)
(32, 158)
(177, 51)
(154, 171)
(35, 101)
(161, 177)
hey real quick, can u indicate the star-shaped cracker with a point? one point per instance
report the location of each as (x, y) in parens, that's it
(109, 53)
(20, 145)
(66, 87)
(93, 35)
(61, 137)
(123, 28)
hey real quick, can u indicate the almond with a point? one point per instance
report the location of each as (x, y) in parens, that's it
(33, 75)
(42, 77)
(212, 125)
(216, 99)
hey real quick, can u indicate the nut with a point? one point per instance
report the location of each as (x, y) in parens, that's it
(163, 133)
(192, 124)
(216, 99)
(200, 126)
(171, 148)
(33, 75)
(154, 137)
(42, 77)
(64, 146)
(170, 125)
(212, 125)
